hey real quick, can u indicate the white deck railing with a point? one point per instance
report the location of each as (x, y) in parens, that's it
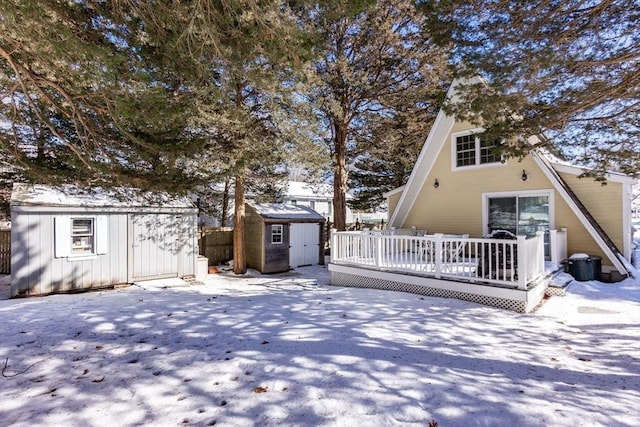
(558, 246)
(514, 263)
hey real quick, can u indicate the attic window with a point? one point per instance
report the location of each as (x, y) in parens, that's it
(475, 149)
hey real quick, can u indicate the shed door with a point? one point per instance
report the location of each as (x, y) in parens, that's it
(154, 251)
(304, 244)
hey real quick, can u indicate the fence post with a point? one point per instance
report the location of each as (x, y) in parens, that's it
(378, 246)
(523, 264)
(438, 249)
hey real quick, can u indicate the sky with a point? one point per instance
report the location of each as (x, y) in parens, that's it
(290, 350)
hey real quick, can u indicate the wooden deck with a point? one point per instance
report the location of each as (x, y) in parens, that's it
(509, 274)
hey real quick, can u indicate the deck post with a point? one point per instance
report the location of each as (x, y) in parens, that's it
(523, 265)
(438, 249)
(333, 238)
(553, 246)
(378, 248)
(540, 254)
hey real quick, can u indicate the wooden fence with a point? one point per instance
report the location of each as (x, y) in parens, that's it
(5, 251)
(216, 245)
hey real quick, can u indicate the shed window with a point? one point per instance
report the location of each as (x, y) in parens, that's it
(78, 237)
(82, 235)
(277, 234)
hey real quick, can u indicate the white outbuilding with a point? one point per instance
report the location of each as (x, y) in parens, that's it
(66, 239)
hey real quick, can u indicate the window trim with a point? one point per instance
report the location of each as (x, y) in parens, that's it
(275, 227)
(81, 235)
(63, 237)
(549, 193)
(476, 132)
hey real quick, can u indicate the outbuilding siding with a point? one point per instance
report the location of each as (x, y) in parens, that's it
(165, 245)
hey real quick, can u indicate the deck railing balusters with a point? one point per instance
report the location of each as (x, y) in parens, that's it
(507, 262)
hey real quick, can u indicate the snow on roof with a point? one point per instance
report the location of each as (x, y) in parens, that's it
(73, 196)
(286, 211)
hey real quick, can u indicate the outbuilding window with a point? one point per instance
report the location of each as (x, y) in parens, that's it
(80, 236)
(277, 234)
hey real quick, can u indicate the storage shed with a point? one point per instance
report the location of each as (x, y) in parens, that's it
(69, 239)
(279, 237)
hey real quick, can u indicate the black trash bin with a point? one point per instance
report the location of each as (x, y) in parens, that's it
(583, 267)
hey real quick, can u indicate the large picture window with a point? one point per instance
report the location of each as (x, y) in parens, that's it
(475, 150)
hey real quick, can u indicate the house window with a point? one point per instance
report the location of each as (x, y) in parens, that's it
(489, 150)
(465, 150)
(277, 235)
(312, 204)
(82, 236)
(475, 149)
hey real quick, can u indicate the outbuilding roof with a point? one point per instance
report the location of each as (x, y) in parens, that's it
(77, 197)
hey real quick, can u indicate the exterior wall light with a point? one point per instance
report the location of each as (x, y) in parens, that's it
(436, 184)
(524, 175)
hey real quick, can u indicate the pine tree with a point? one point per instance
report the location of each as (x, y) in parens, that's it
(93, 98)
(568, 70)
(162, 95)
(377, 63)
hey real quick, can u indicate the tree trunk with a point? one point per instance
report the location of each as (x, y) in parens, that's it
(225, 204)
(340, 178)
(239, 261)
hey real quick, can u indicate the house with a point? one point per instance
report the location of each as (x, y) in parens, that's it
(69, 239)
(318, 197)
(459, 186)
(279, 237)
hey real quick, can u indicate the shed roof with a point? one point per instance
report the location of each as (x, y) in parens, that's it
(286, 211)
(73, 196)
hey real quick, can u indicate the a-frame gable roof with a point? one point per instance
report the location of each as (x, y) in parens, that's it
(430, 150)
(438, 136)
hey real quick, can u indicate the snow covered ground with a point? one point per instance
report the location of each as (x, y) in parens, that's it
(289, 350)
